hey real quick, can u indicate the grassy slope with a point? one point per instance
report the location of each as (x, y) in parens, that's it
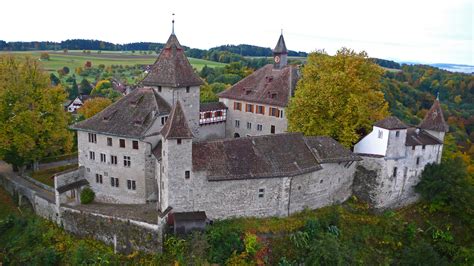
(45, 176)
(74, 59)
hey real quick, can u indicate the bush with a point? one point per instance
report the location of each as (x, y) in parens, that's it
(87, 195)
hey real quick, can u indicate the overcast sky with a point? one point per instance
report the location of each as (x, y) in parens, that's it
(436, 31)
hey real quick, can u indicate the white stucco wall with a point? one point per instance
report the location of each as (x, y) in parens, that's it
(372, 144)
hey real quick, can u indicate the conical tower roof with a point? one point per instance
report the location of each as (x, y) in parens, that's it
(434, 119)
(176, 127)
(172, 68)
(281, 46)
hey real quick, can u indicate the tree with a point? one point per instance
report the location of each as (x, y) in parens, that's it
(94, 106)
(33, 124)
(66, 70)
(44, 56)
(337, 96)
(86, 87)
(54, 80)
(73, 91)
(104, 88)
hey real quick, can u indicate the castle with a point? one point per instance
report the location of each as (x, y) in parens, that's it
(159, 145)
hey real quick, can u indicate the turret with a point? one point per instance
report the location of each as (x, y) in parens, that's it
(280, 54)
(434, 122)
(173, 78)
(177, 160)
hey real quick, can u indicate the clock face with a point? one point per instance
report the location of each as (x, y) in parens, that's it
(277, 59)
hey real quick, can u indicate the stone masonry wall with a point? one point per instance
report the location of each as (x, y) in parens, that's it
(124, 235)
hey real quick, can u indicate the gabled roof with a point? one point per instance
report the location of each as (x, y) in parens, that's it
(130, 116)
(266, 85)
(417, 137)
(172, 68)
(434, 119)
(328, 150)
(268, 156)
(176, 127)
(281, 46)
(391, 123)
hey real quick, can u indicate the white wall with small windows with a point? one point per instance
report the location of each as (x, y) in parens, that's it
(376, 142)
(254, 119)
(113, 160)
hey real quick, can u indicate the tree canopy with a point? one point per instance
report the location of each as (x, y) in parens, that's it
(33, 123)
(94, 106)
(337, 96)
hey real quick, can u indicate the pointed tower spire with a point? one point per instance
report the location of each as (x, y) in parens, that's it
(176, 126)
(434, 119)
(172, 26)
(280, 53)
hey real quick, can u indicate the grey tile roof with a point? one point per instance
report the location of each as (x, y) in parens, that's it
(267, 156)
(176, 126)
(328, 150)
(130, 116)
(172, 68)
(434, 119)
(417, 137)
(189, 216)
(281, 46)
(266, 85)
(212, 106)
(73, 185)
(391, 123)
(157, 150)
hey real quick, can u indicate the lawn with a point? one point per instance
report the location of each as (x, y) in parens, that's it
(74, 59)
(45, 176)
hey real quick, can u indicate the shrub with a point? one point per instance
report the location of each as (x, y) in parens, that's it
(223, 242)
(87, 195)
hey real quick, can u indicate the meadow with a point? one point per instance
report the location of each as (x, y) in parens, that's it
(74, 59)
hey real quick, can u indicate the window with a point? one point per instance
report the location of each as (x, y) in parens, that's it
(423, 147)
(113, 159)
(187, 89)
(122, 143)
(417, 160)
(394, 171)
(260, 109)
(261, 192)
(272, 129)
(92, 138)
(397, 134)
(109, 141)
(98, 178)
(237, 106)
(131, 184)
(274, 112)
(92, 155)
(281, 114)
(187, 174)
(218, 114)
(163, 119)
(237, 123)
(178, 141)
(207, 114)
(135, 144)
(413, 147)
(249, 125)
(114, 182)
(126, 161)
(159, 88)
(249, 108)
(259, 127)
(103, 158)
(380, 134)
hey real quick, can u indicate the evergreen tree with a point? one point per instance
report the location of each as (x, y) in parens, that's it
(74, 90)
(86, 87)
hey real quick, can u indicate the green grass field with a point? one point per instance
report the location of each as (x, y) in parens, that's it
(74, 59)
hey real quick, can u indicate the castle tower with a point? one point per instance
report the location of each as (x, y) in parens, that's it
(177, 161)
(434, 122)
(173, 78)
(280, 54)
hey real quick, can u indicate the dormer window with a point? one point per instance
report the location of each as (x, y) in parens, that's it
(380, 134)
(187, 89)
(159, 88)
(248, 91)
(269, 78)
(273, 95)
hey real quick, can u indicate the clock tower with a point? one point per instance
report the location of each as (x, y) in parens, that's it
(280, 54)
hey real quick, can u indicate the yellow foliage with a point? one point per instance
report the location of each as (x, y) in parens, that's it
(94, 106)
(337, 96)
